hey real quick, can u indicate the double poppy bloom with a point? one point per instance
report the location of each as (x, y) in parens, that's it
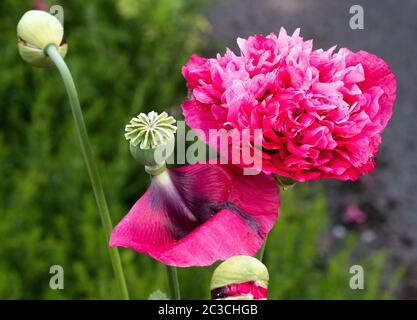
(320, 114)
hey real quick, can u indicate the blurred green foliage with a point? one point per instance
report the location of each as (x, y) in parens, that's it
(126, 57)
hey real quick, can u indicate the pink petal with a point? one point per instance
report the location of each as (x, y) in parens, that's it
(196, 70)
(377, 74)
(200, 117)
(207, 213)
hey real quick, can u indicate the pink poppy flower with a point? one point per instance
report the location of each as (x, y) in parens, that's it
(353, 214)
(198, 214)
(321, 112)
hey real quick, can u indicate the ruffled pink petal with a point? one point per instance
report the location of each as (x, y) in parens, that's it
(201, 214)
(377, 74)
(196, 70)
(199, 116)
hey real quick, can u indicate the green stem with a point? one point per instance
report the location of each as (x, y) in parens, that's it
(174, 286)
(261, 251)
(52, 52)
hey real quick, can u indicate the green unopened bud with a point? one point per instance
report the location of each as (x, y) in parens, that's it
(240, 277)
(37, 30)
(152, 138)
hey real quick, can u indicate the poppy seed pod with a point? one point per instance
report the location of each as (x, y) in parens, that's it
(152, 138)
(35, 31)
(240, 278)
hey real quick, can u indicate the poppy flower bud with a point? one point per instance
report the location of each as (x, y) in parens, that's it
(240, 278)
(35, 31)
(152, 139)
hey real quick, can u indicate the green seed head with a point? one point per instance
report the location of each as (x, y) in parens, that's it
(151, 137)
(35, 31)
(240, 269)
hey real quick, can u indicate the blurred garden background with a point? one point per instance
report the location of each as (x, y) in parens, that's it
(126, 58)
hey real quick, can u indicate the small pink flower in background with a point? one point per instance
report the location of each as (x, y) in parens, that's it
(198, 214)
(321, 112)
(353, 214)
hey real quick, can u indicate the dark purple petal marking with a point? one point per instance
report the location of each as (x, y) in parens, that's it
(188, 210)
(250, 221)
(181, 220)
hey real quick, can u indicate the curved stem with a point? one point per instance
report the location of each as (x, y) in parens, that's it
(52, 52)
(174, 286)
